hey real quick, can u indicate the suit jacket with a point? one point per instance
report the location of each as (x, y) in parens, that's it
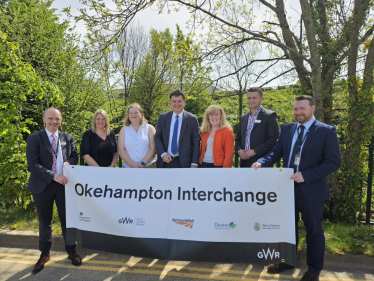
(89, 144)
(40, 159)
(223, 147)
(263, 135)
(189, 138)
(320, 156)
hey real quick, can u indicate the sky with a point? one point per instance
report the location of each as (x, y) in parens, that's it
(152, 19)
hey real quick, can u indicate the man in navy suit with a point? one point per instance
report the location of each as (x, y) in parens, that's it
(177, 135)
(312, 149)
(47, 152)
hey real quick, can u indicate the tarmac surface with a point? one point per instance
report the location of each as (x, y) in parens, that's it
(19, 252)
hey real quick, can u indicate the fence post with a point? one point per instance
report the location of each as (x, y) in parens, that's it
(81, 160)
(369, 182)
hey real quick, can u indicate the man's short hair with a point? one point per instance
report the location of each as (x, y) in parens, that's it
(255, 89)
(177, 93)
(310, 99)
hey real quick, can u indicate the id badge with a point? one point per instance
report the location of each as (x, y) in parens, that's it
(297, 160)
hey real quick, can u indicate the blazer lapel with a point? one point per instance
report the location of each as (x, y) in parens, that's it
(167, 128)
(62, 138)
(312, 130)
(259, 117)
(244, 124)
(45, 140)
(290, 135)
(184, 127)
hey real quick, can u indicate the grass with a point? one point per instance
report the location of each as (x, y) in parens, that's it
(16, 218)
(340, 238)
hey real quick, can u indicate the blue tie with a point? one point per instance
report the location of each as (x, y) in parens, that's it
(296, 147)
(174, 141)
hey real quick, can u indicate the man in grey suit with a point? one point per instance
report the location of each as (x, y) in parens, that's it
(177, 135)
(258, 130)
(47, 152)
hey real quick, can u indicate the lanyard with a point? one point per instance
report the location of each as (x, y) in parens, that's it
(58, 141)
(300, 144)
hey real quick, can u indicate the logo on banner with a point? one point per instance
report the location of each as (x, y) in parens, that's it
(268, 253)
(132, 221)
(229, 226)
(126, 220)
(83, 218)
(185, 222)
(270, 226)
(257, 226)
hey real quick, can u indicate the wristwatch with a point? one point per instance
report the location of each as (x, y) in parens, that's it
(143, 164)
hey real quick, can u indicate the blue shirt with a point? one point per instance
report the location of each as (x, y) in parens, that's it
(294, 139)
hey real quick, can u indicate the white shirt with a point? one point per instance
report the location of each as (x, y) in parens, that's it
(59, 151)
(295, 136)
(137, 143)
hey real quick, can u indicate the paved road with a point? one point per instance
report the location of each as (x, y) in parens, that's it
(17, 261)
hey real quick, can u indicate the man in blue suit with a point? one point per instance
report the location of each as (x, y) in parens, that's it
(177, 135)
(47, 152)
(312, 149)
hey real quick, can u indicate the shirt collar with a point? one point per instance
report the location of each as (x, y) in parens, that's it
(180, 114)
(307, 124)
(50, 133)
(257, 112)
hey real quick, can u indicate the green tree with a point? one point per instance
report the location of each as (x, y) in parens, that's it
(54, 52)
(154, 76)
(18, 83)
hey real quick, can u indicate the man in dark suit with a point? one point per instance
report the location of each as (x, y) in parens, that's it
(258, 130)
(177, 136)
(47, 152)
(312, 149)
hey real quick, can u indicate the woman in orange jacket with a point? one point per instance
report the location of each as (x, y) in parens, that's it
(217, 140)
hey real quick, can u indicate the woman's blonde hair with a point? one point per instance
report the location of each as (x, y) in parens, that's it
(223, 123)
(126, 120)
(105, 115)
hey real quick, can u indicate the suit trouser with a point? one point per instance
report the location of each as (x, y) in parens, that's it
(44, 207)
(312, 215)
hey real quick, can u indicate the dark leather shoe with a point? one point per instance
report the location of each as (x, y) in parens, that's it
(40, 264)
(279, 267)
(310, 277)
(75, 258)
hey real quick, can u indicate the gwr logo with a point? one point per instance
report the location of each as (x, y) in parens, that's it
(125, 220)
(267, 254)
(186, 224)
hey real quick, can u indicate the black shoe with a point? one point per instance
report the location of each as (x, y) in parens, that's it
(310, 277)
(278, 267)
(40, 264)
(75, 258)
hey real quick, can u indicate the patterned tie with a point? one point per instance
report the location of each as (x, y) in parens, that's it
(174, 141)
(296, 147)
(54, 146)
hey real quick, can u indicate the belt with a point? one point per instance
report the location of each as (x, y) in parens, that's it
(174, 157)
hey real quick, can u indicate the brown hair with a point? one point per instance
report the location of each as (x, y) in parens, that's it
(310, 99)
(177, 93)
(255, 89)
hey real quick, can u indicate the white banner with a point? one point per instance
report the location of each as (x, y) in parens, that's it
(207, 205)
